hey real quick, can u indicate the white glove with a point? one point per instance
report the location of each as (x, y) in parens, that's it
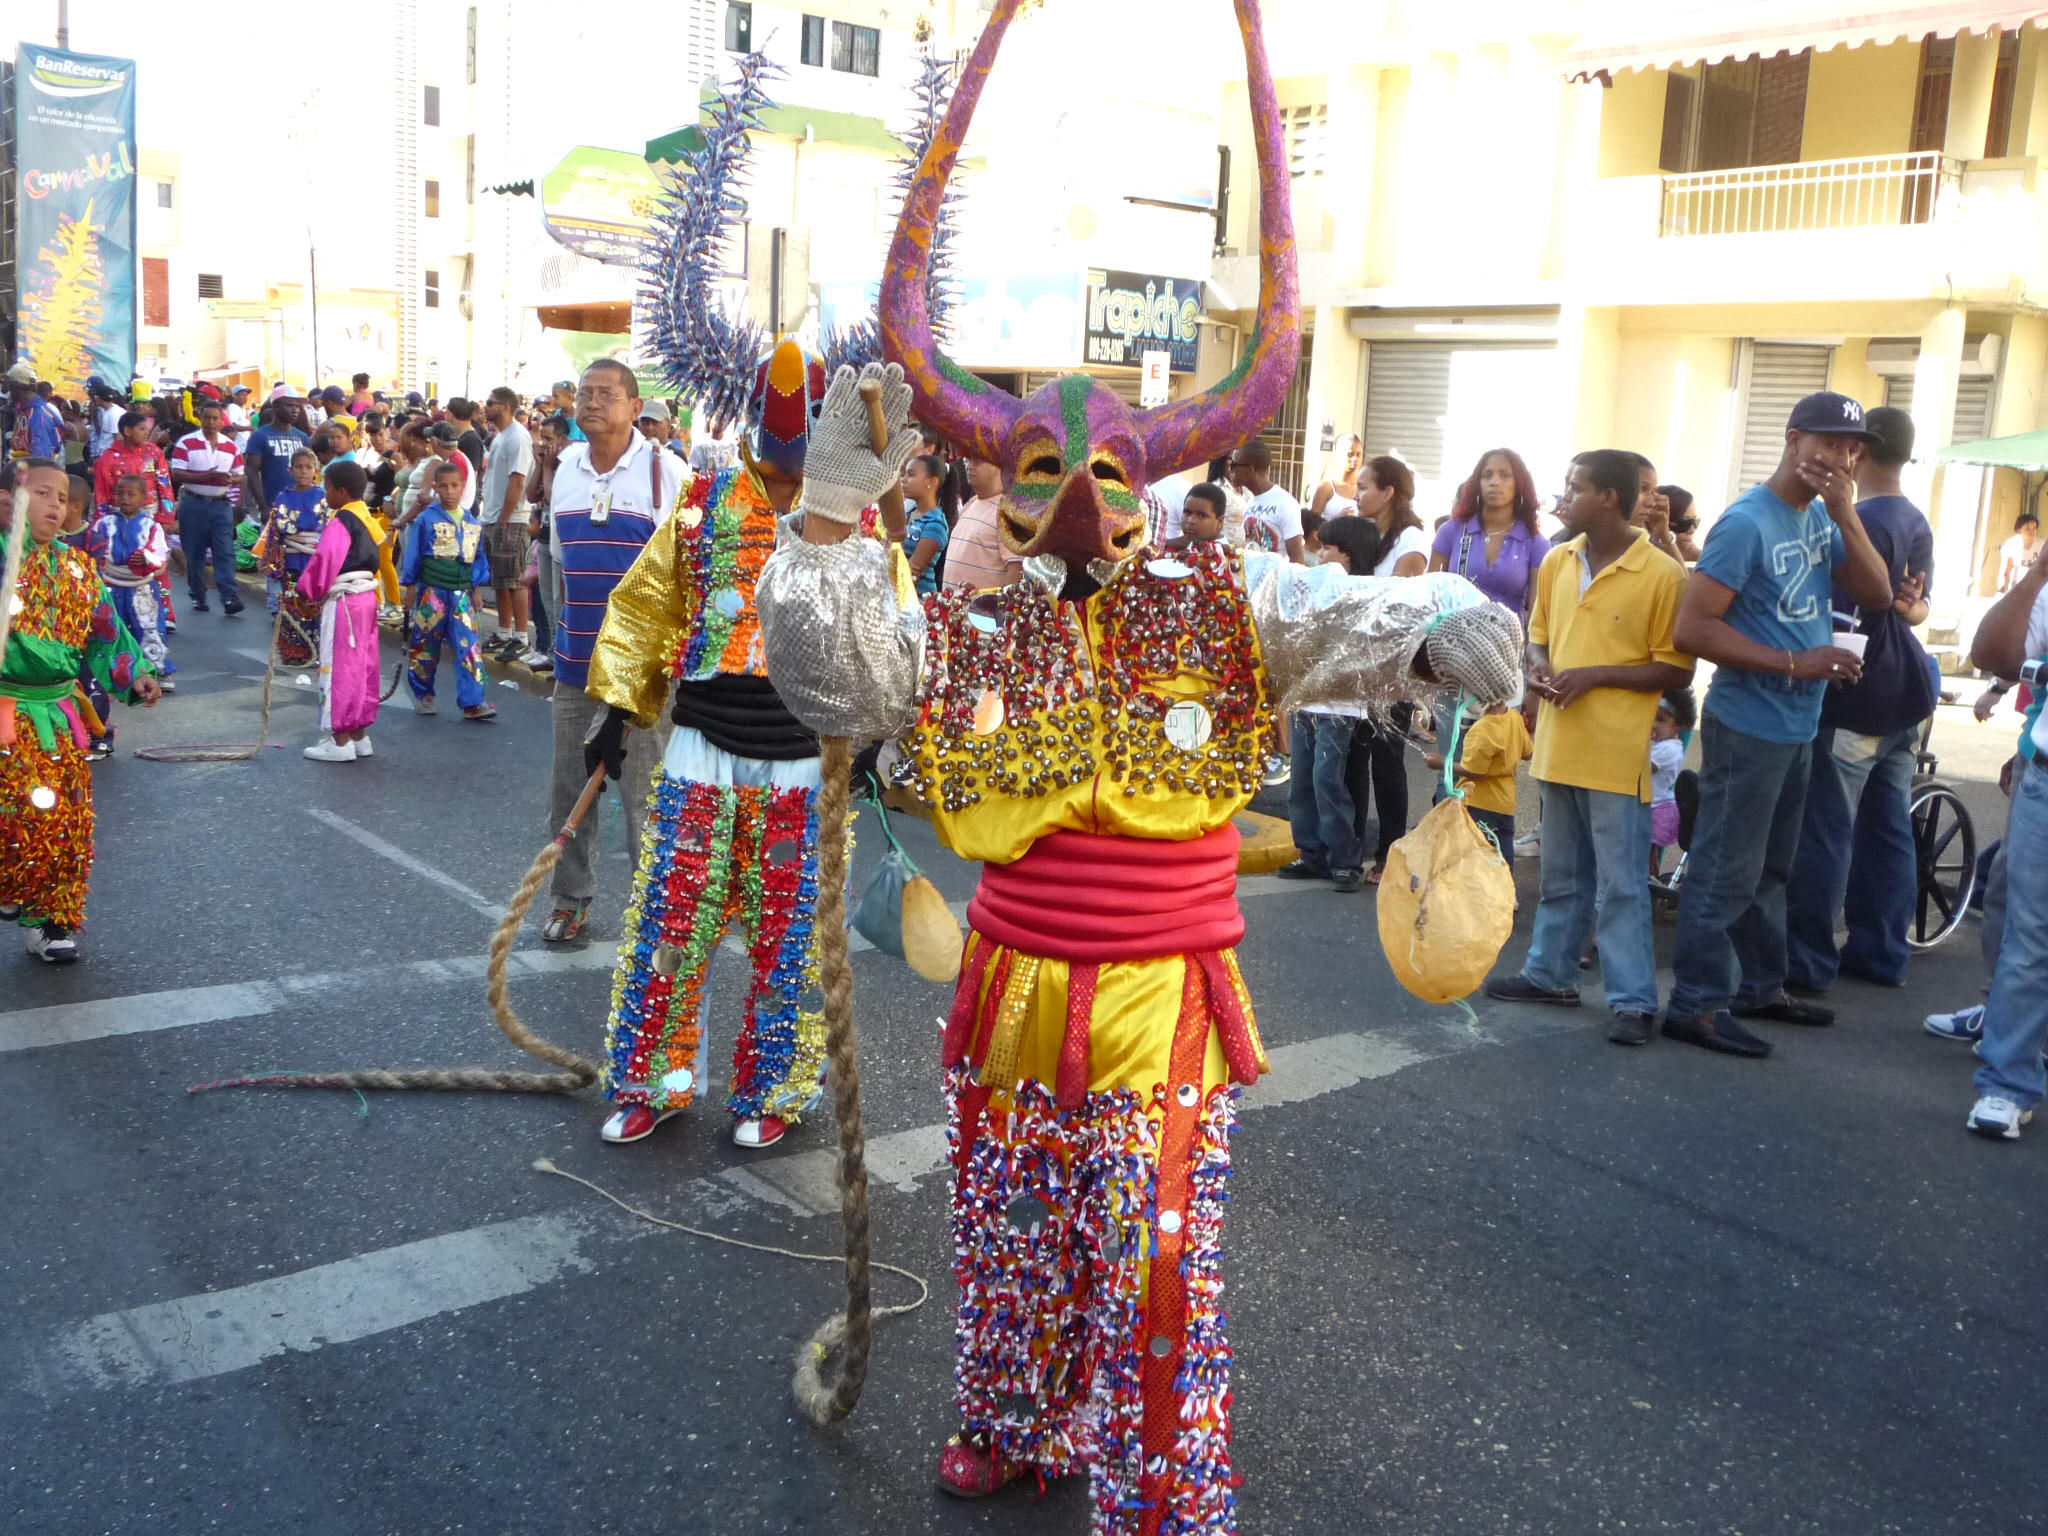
(841, 472)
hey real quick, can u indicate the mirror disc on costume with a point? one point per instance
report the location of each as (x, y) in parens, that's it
(782, 850)
(43, 798)
(1187, 1093)
(1187, 726)
(1169, 1222)
(1169, 570)
(693, 839)
(985, 613)
(1026, 1212)
(689, 517)
(728, 602)
(988, 713)
(667, 959)
(682, 1080)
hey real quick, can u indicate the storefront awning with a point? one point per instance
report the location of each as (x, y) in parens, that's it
(849, 128)
(2023, 450)
(1629, 34)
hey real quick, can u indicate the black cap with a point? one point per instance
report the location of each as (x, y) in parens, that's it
(1832, 414)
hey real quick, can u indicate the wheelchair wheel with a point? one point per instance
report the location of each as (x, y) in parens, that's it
(1945, 851)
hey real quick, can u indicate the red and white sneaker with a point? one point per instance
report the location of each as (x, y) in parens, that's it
(762, 1131)
(971, 1471)
(636, 1122)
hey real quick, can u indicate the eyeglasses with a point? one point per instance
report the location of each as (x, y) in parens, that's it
(602, 396)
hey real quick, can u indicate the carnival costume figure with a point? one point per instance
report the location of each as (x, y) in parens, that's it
(297, 519)
(732, 838)
(65, 623)
(341, 577)
(131, 549)
(444, 559)
(1088, 734)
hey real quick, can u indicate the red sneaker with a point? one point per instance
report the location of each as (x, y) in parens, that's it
(636, 1122)
(970, 1471)
(759, 1133)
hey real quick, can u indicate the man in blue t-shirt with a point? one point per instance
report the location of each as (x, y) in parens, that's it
(1758, 608)
(267, 456)
(1856, 858)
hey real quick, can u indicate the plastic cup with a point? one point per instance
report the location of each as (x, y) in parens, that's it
(1852, 642)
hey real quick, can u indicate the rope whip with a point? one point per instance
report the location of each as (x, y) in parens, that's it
(577, 1071)
(832, 1366)
(17, 538)
(228, 751)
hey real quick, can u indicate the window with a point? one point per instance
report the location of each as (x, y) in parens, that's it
(1736, 113)
(739, 27)
(430, 112)
(469, 169)
(163, 194)
(431, 282)
(1307, 132)
(1930, 102)
(470, 48)
(210, 287)
(814, 41)
(156, 290)
(433, 200)
(856, 50)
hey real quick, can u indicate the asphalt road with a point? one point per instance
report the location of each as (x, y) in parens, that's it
(1486, 1274)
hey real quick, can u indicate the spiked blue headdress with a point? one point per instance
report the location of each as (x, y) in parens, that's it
(719, 363)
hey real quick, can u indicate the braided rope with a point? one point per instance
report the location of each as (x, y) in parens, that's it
(10, 571)
(577, 1071)
(227, 751)
(840, 1346)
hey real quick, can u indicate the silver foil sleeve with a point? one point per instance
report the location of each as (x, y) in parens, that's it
(1331, 638)
(843, 653)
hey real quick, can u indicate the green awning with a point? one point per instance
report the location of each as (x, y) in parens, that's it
(849, 128)
(2023, 450)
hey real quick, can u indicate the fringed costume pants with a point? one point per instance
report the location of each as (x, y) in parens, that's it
(729, 841)
(1091, 1101)
(440, 616)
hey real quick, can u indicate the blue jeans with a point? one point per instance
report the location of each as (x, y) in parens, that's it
(1319, 804)
(1855, 858)
(1730, 943)
(1596, 868)
(2016, 1015)
(206, 524)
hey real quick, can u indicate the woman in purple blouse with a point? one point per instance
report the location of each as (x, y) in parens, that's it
(1491, 540)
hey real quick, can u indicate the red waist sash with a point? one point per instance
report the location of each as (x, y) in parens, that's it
(1091, 899)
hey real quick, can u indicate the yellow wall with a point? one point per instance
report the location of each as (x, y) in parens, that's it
(1380, 243)
(1859, 101)
(1849, 373)
(1632, 124)
(1672, 402)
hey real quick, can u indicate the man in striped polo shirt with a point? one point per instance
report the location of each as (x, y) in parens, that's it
(610, 493)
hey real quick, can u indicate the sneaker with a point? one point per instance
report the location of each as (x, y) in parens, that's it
(537, 661)
(167, 685)
(1278, 771)
(762, 1131)
(1963, 1024)
(1346, 880)
(636, 1122)
(504, 647)
(102, 747)
(1632, 1029)
(1529, 844)
(481, 712)
(423, 706)
(231, 606)
(363, 747)
(10, 911)
(1302, 869)
(1520, 989)
(52, 944)
(970, 1468)
(170, 626)
(331, 751)
(199, 605)
(1993, 1116)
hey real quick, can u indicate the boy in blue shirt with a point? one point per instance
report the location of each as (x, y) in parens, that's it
(1757, 606)
(444, 558)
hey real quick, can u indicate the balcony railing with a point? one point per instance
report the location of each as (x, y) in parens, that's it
(1875, 190)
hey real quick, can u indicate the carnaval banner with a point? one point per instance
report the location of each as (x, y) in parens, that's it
(74, 157)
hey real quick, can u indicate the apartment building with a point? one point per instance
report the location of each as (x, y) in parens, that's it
(1554, 226)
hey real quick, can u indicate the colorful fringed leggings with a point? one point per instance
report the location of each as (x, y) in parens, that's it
(45, 851)
(1087, 1226)
(716, 853)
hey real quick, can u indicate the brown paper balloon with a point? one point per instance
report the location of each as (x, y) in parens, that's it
(1446, 905)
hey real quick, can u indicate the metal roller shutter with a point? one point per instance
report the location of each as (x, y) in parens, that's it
(1780, 376)
(1972, 420)
(1407, 397)
(1124, 383)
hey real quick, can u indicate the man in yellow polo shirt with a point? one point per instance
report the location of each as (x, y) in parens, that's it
(1600, 654)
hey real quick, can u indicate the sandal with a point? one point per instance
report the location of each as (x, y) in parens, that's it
(565, 924)
(1374, 875)
(972, 1471)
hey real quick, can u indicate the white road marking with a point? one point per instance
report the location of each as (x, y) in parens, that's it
(406, 861)
(261, 658)
(215, 1332)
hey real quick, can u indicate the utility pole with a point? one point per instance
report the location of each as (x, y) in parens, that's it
(64, 24)
(313, 298)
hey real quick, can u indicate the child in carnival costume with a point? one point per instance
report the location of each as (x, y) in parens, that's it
(63, 622)
(444, 559)
(1088, 734)
(131, 549)
(297, 519)
(733, 834)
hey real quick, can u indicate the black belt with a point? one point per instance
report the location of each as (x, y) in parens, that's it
(744, 716)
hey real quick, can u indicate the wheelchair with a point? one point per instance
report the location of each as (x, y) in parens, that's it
(1944, 849)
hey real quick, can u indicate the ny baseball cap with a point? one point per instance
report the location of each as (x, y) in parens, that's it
(654, 410)
(1832, 414)
(333, 392)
